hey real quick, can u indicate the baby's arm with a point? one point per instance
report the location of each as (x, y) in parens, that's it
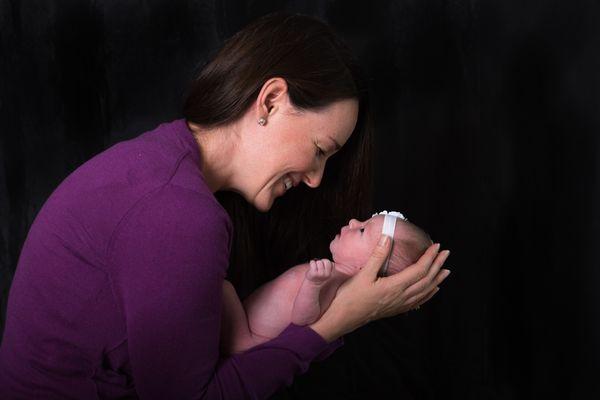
(291, 297)
(307, 304)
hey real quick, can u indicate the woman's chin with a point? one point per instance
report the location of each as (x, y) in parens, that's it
(264, 203)
(261, 204)
(262, 209)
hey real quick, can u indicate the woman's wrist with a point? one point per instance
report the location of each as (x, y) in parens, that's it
(326, 328)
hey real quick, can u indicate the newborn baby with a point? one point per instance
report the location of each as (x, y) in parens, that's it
(304, 292)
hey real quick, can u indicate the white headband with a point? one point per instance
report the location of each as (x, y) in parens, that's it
(389, 227)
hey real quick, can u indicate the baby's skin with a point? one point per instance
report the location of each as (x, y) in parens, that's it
(302, 293)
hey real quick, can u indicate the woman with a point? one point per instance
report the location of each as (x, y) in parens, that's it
(118, 288)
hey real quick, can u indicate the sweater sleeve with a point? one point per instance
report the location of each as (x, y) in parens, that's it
(169, 255)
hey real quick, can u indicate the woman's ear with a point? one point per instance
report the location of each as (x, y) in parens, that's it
(273, 91)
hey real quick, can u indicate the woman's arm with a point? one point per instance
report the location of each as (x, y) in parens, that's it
(169, 258)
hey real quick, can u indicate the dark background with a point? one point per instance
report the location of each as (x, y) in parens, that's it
(487, 122)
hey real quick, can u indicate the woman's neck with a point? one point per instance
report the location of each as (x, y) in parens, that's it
(216, 156)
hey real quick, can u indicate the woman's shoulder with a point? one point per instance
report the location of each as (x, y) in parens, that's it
(172, 203)
(176, 218)
(157, 170)
(191, 202)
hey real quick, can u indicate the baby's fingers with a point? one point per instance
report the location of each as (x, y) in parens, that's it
(328, 266)
(324, 270)
(314, 266)
(321, 264)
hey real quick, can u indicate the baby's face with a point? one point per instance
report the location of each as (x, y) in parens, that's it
(355, 242)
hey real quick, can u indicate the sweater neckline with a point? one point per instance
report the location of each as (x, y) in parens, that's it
(182, 129)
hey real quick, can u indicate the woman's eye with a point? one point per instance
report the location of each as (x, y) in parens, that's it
(320, 152)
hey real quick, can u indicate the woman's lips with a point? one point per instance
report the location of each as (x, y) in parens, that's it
(293, 181)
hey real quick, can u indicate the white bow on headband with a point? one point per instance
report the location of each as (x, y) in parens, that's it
(389, 223)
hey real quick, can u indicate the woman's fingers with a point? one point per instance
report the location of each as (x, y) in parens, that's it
(366, 297)
(421, 298)
(433, 277)
(415, 272)
(378, 256)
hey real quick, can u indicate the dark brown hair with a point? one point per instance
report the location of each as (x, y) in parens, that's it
(319, 70)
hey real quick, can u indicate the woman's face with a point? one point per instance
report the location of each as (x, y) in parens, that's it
(355, 242)
(290, 143)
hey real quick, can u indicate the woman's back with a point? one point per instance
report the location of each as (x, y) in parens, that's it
(66, 326)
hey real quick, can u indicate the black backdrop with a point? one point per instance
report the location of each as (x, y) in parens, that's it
(487, 116)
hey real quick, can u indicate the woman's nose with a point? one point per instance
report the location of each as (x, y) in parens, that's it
(313, 179)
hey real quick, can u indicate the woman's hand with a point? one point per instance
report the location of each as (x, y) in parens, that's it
(367, 297)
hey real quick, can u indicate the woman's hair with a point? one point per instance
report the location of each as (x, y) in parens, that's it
(319, 70)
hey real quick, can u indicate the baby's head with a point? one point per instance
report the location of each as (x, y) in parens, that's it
(356, 241)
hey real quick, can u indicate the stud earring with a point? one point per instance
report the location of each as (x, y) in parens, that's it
(262, 121)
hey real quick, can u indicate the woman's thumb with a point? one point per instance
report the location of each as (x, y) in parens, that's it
(378, 256)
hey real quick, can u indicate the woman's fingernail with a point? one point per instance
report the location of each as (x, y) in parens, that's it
(384, 240)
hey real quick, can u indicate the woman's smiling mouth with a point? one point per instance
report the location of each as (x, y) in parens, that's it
(288, 182)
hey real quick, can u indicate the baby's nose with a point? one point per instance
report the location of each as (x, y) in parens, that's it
(353, 222)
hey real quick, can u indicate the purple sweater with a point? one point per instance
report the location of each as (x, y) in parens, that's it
(118, 288)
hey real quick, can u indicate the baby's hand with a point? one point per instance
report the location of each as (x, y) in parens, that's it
(320, 271)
